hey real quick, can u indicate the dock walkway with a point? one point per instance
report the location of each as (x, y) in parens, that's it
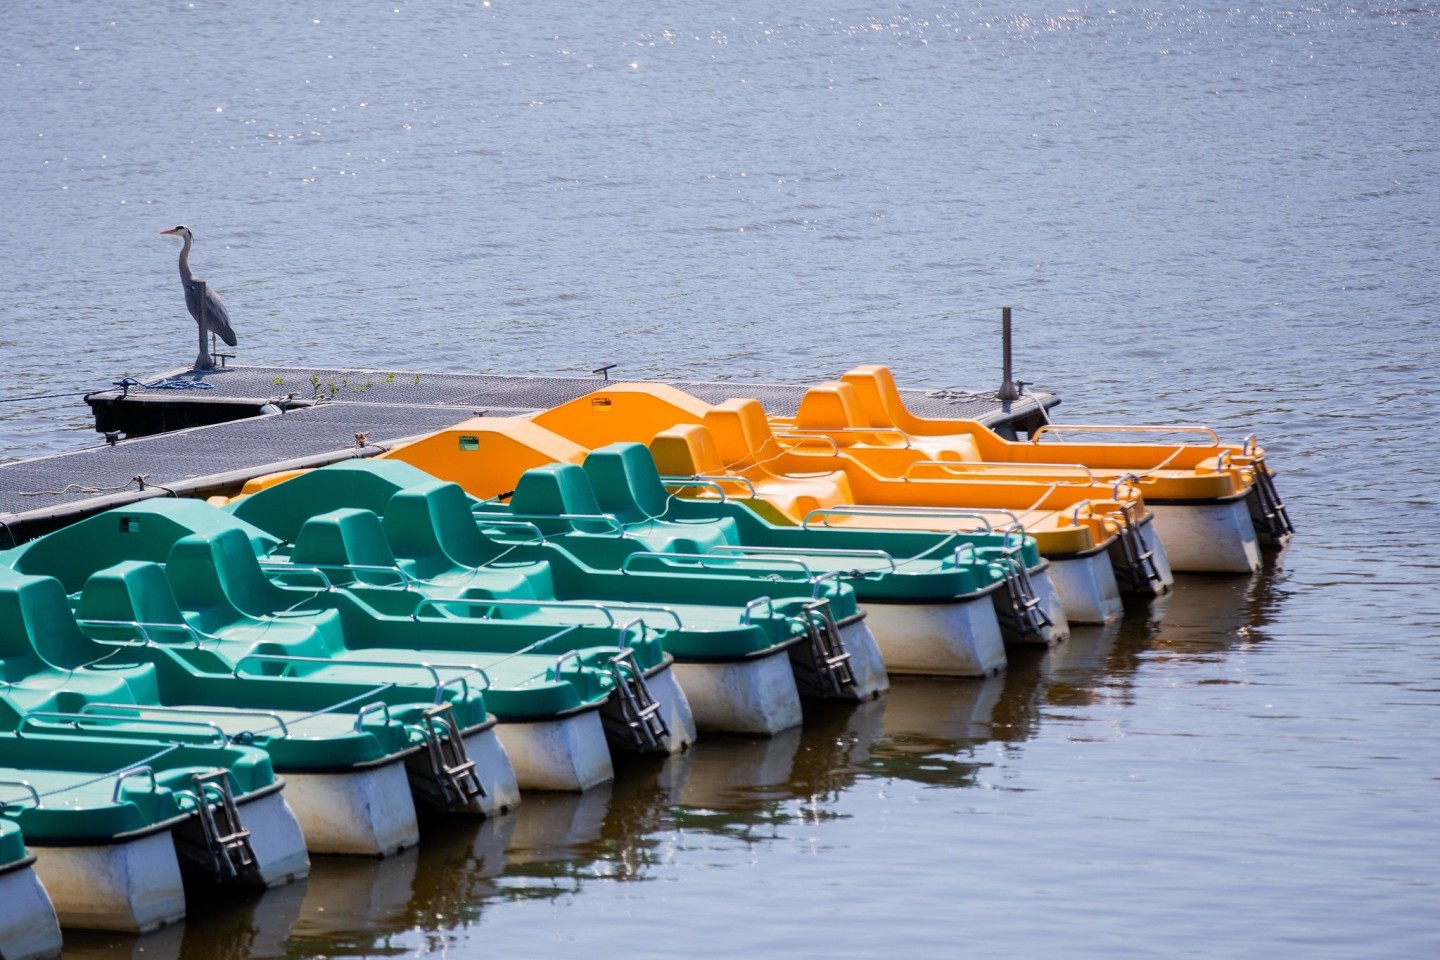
(225, 426)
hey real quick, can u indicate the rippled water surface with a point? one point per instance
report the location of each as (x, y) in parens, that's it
(1200, 212)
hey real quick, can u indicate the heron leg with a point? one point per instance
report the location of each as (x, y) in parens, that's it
(203, 361)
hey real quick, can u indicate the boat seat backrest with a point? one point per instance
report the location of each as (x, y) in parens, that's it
(831, 406)
(686, 450)
(431, 527)
(37, 628)
(626, 483)
(551, 490)
(132, 591)
(341, 538)
(222, 571)
(877, 394)
(742, 432)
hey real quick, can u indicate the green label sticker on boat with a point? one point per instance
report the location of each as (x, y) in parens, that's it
(129, 524)
(469, 442)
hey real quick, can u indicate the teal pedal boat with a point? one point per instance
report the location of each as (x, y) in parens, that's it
(938, 603)
(29, 929)
(351, 751)
(114, 818)
(561, 694)
(742, 639)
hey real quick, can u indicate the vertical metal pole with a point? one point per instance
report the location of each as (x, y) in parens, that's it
(1007, 391)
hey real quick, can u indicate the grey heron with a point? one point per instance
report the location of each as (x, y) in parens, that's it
(207, 310)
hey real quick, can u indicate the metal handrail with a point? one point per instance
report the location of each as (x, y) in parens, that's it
(758, 601)
(496, 602)
(974, 554)
(140, 709)
(826, 431)
(320, 568)
(75, 719)
(709, 480)
(834, 447)
(522, 524)
(25, 784)
(560, 661)
(651, 555)
(657, 608)
(517, 519)
(440, 685)
(1104, 428)
(326, 583)
(1017, 529)
(807, 551)
(121, 776)
(877, 510)
(627, 644)
(379, 706)
(998, 468)
(144, 628)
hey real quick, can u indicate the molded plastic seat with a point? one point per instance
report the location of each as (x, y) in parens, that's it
(219, 585)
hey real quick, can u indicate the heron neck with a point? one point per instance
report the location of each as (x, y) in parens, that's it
(185, 260)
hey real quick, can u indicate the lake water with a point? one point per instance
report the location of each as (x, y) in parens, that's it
(1200, 213)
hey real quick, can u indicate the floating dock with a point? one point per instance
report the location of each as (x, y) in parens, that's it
(197, 433)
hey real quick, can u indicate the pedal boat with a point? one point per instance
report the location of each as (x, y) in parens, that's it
(115, 820)
(934, 602)
(927, 592)
(29, 929)
(351, 752)
(1083, 529)
(740, 644)
(213, 594)
(1214, 505)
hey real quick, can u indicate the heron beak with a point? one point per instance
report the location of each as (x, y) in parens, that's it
(164, 232)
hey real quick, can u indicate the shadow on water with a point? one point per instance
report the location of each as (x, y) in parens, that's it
(928, 731)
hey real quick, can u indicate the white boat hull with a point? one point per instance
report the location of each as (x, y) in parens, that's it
(1208, 537)
(276, 840)
(957, 639)
(496, 773)
(569, 754)
(1053, 606)
(367, 813)
(29, 929)
(1087, 588)
(756, 696)
(674, 709)
(867, 662)
(129, 887)
(492, 768)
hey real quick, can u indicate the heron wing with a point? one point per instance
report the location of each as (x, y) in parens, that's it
(216, 316)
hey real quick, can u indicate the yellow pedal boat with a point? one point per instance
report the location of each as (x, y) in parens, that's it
(1082, 528)
(1214, 504)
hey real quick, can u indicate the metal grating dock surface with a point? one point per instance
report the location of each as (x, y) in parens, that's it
(326, 410)
(260, 385)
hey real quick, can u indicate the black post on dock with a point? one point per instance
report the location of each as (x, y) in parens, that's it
(202, 360)
(1007, 391)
